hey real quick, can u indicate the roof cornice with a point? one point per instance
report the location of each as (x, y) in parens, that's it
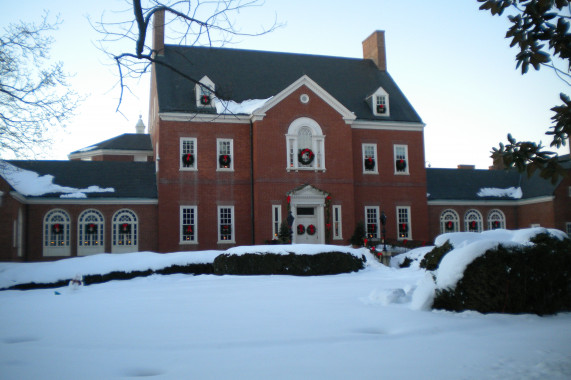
(83, 201)
(114, 152)
(387, 125)
(201, 117)
(503, 202)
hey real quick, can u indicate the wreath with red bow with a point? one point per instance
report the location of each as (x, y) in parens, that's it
(300, 229)
(305, 156)
(224, 160)
(205, 100)
(401, 165)
(449, 226)
(91, 229)
(57, 229)
(125, 228)
(187, 160)
(369, 163)
(311, 229)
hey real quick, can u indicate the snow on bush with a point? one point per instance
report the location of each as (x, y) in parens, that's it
(467, 247)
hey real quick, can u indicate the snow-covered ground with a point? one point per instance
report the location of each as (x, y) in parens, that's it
(361, 325)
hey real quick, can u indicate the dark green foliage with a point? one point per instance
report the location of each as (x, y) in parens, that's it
(358, 235)
(432, 259)
(284, 235)
(406, 263)
(195, 269)
(292, 264)
(539, 29)
(534, 279)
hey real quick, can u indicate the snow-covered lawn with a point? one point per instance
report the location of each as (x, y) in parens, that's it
(352, 326)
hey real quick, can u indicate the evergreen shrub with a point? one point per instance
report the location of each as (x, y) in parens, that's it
(358, 235)
(432, 259)
(531, 279)
(292, 264)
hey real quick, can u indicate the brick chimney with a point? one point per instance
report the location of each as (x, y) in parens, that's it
(159, 32)
(374, 48)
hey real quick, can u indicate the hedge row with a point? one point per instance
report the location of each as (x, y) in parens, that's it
(118, 275)
(292, 264)
(532, 279)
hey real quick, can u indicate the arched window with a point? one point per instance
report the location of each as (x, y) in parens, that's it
(496, 219)
(449, 221)
(90, 229)
(473, 221)
(125, 231)
(305, 144)
(57, 226)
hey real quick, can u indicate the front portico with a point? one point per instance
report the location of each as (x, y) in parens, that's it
(307, 205)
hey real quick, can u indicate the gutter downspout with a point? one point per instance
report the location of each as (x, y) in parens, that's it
(253, 224)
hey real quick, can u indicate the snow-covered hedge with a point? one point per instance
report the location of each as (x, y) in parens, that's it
(523, 271)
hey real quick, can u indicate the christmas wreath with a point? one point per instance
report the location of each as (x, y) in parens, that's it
(369, 163)
(403, 227)
(57, 229)
(495, 224)
(449, 226)
(311, 229)
(125, 228)
(224, 160)
(305, 156)
(472, 225)
(300, 229)
(225, 229)
(187, 160)
(205, 100)
(91, 229)
(381, 108)
(187, 229)
(401, 165)
(371, 228)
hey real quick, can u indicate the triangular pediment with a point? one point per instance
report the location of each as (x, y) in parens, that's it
(347, 115)
(307, 192)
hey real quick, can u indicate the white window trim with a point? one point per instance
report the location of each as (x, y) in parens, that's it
(407, 161)
(133, 246)
(194, 166)
(276, 219)
(409, 222)
(339, 235)
(455, 221)
(502, 218)
(83, 250)
(376, 168)
(377, 222)
(194, 226)
(380, 92)
(231, 168)
(204, 82)
(60, 250)
(480, 221)
(317, 142)
(219, 224)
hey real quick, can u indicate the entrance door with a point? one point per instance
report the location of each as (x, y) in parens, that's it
(306, 226)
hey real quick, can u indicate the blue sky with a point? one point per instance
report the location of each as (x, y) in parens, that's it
(450, 59)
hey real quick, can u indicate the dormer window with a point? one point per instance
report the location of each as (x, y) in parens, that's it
(379, 102)
(204, 91)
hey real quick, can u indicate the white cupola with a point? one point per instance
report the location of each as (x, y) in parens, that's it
(140, 126)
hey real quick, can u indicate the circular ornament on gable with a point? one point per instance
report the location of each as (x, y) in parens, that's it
(304, 98)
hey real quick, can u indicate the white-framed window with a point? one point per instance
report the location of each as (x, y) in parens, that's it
(57, 226)
(225, 154)
(403, 223)
(372, 222)
(380, 103)
(401, 159)
(204, 93)
(90, 232)
(276, 220)
(305, 145)
(188, 224)
(370, 165)
(188, 153)
(449, 221)
(125, 232)
(337, 223)
(226, 224)
(533, 225)
(473, 221)
(496, 219)
(568, 228)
